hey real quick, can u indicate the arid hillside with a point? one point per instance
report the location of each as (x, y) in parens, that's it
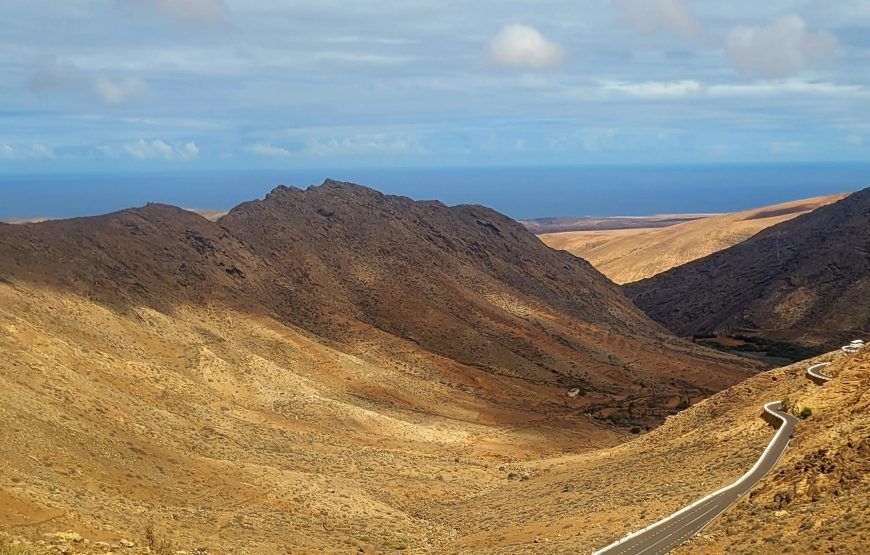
(631, 254)
(813, 502)
(349, 264)
(235, 433)
(310, 373)
(208, 430)
(804, 281)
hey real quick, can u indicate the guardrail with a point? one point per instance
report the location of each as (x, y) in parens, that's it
(812, 372)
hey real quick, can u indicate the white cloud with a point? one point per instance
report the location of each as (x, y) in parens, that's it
(779, 49)
(595, 140)
(189, 151)
(653, 16)
(690, 88)
(269, 150)
(788, 86)
(118, 92)
(381, 143)
(358, 58)
(655, 89)
(52, 74)
(209, 12)
(154, 150)
(781, 147)
(854, 139)
(522, 46)
(41, 151)
(29, 152)
(143, 149)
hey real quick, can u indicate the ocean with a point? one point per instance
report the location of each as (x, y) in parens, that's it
(522, 193)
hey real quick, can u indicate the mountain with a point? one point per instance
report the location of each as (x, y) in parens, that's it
(464, 282)
(307, 373)
(342, 261)
(804, 281)
(628, 255)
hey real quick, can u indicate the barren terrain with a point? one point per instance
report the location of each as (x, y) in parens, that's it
(591, 223)
(803, 282)
(336, 371)
(225, 433)
(630, 254)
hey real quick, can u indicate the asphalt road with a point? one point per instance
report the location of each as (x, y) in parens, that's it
(815, 374)
(670, 532)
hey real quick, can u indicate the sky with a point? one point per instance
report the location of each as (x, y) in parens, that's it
(184, 85)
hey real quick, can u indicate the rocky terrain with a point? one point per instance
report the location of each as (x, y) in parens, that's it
(805, 281)
(627, 254)
(328, 370)
(814, 502)
(212, 432)
(350, 265)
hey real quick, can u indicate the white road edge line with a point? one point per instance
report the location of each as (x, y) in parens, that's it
(767, 408)
(811, 371)
(663, 538)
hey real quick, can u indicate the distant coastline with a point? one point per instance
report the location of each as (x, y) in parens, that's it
(524, 193)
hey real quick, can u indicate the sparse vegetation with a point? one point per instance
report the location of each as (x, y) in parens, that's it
(235, 430)
(764, 347)
(156, 542)
(9, 547)
(626, 255)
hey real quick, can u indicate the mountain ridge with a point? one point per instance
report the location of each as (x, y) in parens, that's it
(629, 255)
(464, 282)
(803, 280)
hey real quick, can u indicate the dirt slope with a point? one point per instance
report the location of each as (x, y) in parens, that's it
(229, 434)
(812, 503)
(804, 281)
(307, 374)
(343, 262)
(464, 282)
(628, 255)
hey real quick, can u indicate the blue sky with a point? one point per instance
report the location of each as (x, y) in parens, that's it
(165, 85)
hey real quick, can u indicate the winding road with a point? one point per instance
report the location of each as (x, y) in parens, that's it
(814, 374)
(675, 529)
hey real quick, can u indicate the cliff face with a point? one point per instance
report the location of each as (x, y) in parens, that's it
(805, 281)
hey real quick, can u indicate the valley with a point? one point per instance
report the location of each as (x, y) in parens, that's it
(270, 383)
(434, 278)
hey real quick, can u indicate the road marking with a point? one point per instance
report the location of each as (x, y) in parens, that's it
(705, 513)
(777, 438)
